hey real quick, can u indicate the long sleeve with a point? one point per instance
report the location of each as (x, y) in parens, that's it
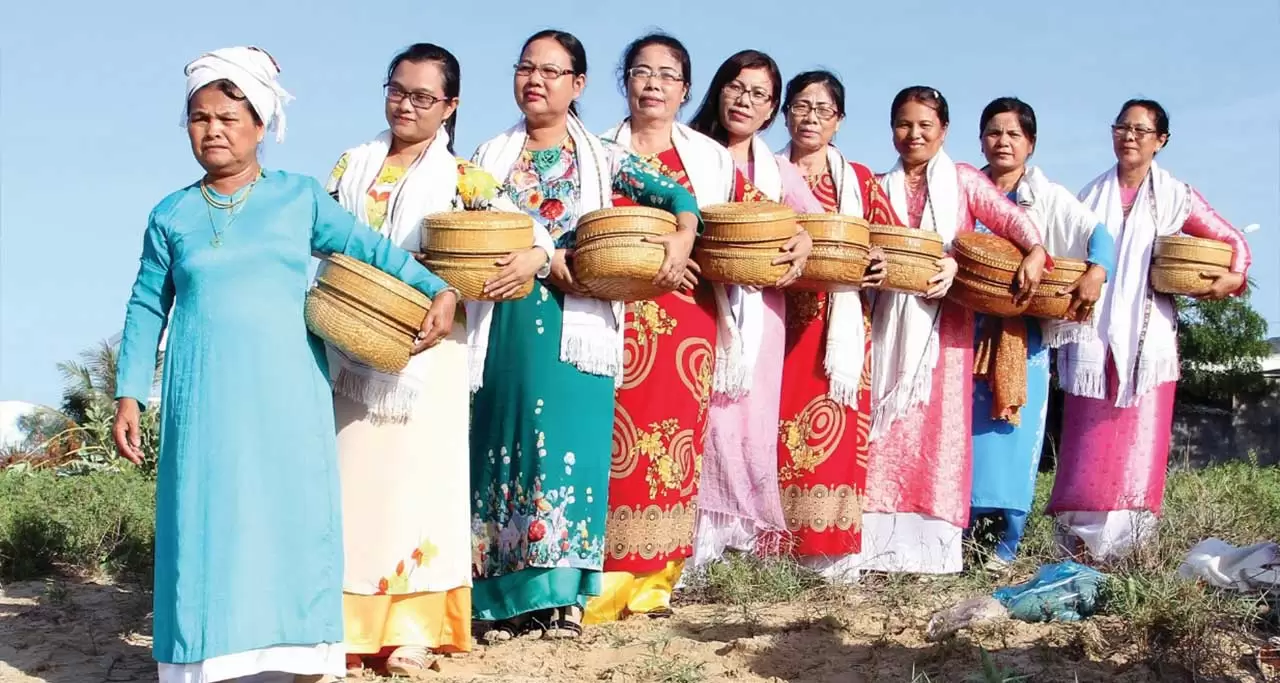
(1205, 222)
(1102, 249)
(145, 317)
(636, 181)
(987, 204)
(335, 230)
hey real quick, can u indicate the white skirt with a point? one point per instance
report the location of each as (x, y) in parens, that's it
(267, 665)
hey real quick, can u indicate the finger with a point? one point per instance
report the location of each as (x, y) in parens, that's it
(937, 278)
(693, 265)
(788, 257)
(1071, 288)
(658, 239)
(508, 259)
(689, 280)
(664, 273)
(133, 452)
(793, 242)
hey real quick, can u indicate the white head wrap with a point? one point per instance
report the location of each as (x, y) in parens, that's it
(253, 71)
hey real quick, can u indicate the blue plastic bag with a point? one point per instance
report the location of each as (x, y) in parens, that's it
(1066, 591)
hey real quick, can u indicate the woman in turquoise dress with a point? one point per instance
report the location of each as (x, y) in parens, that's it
(1006, 453)
(542, 420)
(248, 567)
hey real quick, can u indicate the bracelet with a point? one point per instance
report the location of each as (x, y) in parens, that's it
(451, 288)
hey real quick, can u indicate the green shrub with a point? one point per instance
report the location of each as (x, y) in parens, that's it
(98, 522)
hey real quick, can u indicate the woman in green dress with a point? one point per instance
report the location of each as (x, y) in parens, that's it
(546, 365)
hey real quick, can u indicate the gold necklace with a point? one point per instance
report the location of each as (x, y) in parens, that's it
(234, 207)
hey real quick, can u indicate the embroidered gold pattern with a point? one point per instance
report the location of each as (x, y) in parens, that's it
(823, 508)
(650, 532)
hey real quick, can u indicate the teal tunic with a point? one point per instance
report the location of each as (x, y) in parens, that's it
(542, 429)
(248, 535)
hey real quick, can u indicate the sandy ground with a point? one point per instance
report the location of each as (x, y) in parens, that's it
(67, 631)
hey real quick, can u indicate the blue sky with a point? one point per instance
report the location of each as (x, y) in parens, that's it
(91, 94)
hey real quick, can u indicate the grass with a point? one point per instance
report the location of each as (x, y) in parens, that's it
(103, 523)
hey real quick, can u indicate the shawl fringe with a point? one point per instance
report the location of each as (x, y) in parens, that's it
(389, 402)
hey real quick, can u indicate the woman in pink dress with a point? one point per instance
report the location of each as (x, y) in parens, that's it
(1120, 378)
(738, 503)
(918, 474)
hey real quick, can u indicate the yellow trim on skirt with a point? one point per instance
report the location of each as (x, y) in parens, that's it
(437, 621)
(625, 593)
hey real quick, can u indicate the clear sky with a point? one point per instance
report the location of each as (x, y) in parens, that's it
(91, 96)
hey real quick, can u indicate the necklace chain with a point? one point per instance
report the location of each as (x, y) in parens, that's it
(233, 206)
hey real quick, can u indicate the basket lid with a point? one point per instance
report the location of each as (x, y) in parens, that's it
(1181, 240)
(478, 220)
(899, 231)
(1065, 270)
(747, 212)
(628, 212)
(378, 278)
(832, 218)
(989, 250)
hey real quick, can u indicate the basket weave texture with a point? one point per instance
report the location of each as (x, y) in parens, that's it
(1049, 301)
(986, 267)
(462, 247)
(1180, 260)
(910, 257)
(342, 318)
(612, 260)
(840, 252)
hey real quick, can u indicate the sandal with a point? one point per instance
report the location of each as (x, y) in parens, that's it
(409, 661)
(565, 624)
(498, 632)
(660, 613)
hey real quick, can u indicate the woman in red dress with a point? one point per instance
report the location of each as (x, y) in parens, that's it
(661, 419)
(825, 413)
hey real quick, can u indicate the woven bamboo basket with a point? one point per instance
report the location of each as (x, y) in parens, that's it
(356, 332)
(377, 293)
(623, 221)
(469, 273)
(1048, 301)
(1184, 249)
(619, 268)
(738, 265)
(1183, 279)
(743, 223)
(910, 257)
(840, 251)
(986, 266)
(475, 233)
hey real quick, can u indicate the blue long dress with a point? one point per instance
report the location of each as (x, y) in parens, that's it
(1006, 458)
(248, 535)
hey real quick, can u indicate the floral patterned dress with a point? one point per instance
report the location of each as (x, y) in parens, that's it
(540, 427)
(659, 430)
(822, 446)
(406, 509)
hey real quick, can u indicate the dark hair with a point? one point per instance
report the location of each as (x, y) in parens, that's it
(707, 121)
(231, 90)
(1010, 105)
(925, 95)
(1157, 112)
(671, 43)
(571, 44)
(826, 79)
(430, 52)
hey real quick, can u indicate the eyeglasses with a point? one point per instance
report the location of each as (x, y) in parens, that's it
(824, 112)
(419, 100)
(735, 91)
(644, 73)
(549, 72)
(1139, 132)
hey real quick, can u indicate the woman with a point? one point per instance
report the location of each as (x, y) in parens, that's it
(402, 439)
(738, 504)
(826, 416)
(918, 472)
(1011, 392)
(682, 345)
(248, 574)
(544, 412)
(1120, 383)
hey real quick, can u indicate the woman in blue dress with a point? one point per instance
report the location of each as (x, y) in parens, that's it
(1006, 445)
(248, 575)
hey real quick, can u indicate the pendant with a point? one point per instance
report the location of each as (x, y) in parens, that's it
(216, 241)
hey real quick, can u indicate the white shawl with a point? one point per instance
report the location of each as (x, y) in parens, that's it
(429, 185)
(712, 173)
(1138, 327)
(905, 327)
(1065, 227)
(592, 335)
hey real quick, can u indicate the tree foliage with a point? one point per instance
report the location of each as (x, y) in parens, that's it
(1221, 344)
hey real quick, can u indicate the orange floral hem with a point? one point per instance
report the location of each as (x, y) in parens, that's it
(436, 621)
